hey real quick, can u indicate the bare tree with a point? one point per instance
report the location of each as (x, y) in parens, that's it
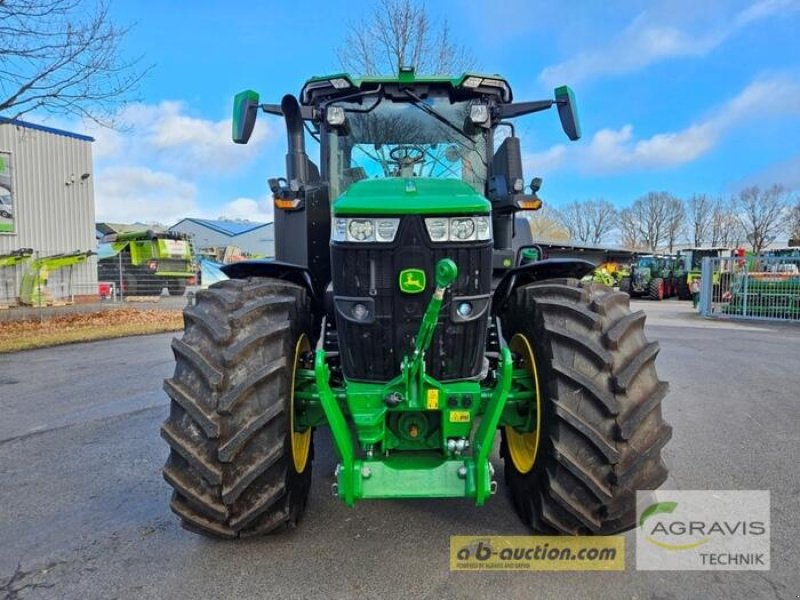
(676, 221)
(545, 226)
(762, 214)
(57, 56)
(401, 33)
(725, 229)
(794, 224)
(699, 210)
(656, 217)
(629, 230)
(589, 221)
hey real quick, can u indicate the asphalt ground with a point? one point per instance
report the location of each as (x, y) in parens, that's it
(84, 511)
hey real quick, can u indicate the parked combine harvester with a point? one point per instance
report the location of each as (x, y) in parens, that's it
(395, 315)
(143, 263)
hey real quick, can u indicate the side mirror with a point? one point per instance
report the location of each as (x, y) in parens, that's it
(245, 109)
(568, 112)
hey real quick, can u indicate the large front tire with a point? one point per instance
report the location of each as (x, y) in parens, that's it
(176, 287)
(231, 462)
(601, 431)
(655, 289)
(625, 285)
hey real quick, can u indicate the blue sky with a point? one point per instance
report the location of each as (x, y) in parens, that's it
(687, 97)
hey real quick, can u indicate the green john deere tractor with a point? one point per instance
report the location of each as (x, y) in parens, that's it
(399, 314)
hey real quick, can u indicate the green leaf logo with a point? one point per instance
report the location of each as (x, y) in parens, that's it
(654, 509)
(668, 508)
(412, 281)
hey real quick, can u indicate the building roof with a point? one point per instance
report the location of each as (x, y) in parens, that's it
(53, 130)
(569, 245)
(106, 228)
(229, 228)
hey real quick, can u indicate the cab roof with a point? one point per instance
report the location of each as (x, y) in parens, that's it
(345, 83)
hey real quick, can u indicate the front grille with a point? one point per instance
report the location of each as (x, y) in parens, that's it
(174, 266)
(373, 351)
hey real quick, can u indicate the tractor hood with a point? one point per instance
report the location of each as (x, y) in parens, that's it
(412, 195)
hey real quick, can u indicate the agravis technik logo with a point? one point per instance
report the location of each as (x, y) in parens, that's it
(703, 530)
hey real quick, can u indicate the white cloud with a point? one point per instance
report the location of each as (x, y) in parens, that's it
(136, 194)
(131, 194)
(165, 135)
(151, 167)
(542, 163)
(648, 39)
(615, 150)
(260, 211)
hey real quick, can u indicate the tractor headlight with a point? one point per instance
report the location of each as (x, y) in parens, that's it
(437, 229)
(361, 230)
(335, 116)
(462, 229)
(387, 229)
(364, 230)
(459, 229)
(479, 114)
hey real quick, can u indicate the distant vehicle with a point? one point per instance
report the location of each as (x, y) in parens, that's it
(652, 276)
(149, 261)
(6, 208)
(691, 261)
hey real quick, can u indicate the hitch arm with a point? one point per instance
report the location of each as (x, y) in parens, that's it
(414, 368)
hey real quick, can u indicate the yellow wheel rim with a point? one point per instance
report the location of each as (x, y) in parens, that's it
(523, 446)
(301, 440)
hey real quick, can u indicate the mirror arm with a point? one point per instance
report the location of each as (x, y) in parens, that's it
(306, 112)
(517, 109)
(273, 109)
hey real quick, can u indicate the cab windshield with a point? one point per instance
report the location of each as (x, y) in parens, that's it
(398, 138)
(647, 261)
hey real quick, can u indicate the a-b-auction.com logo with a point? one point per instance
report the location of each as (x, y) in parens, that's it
(703, 530)
(539, 553)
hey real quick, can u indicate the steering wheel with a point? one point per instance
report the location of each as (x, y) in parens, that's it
(405, 156)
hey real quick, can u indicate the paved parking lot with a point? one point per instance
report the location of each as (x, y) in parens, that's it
(83, 508)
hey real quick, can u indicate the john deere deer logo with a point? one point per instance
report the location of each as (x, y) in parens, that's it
(412, 281)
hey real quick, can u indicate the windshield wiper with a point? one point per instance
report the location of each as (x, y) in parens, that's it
(420, 104)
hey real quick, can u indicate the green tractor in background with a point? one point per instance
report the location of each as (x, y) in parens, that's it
(399, 315)
(652, 276)
(143, 263)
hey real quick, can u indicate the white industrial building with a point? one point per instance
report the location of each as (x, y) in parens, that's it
(254, 239)
(46, 205)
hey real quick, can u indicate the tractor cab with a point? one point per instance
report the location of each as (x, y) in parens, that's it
(402, 145)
